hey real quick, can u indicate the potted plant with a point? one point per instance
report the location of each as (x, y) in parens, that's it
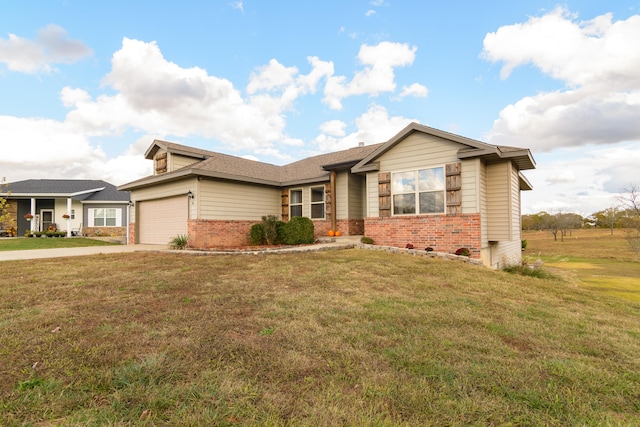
(28, 217)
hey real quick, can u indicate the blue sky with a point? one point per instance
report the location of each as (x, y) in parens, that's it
(85, 87)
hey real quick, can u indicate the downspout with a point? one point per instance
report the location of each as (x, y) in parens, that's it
(332, 186)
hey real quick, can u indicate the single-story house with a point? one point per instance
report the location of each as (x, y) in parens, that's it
(77, 206)
(424, 187)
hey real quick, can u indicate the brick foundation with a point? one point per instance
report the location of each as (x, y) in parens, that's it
(444, 233)
(205, 233)
(104, 231)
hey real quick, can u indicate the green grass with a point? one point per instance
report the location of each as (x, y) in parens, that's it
(24, 243)
(351, 337)
(595, 259)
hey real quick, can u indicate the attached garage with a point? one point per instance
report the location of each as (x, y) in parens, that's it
(160, 220)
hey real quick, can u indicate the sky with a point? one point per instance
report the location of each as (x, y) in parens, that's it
(85, 87)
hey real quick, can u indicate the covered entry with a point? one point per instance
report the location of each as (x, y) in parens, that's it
(160, 220)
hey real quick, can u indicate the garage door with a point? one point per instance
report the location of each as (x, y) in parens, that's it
(161, 220)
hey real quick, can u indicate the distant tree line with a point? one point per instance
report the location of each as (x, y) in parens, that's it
(624, 215)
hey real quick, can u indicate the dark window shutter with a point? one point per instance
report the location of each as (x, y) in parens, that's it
(454, 188)
(384, 194)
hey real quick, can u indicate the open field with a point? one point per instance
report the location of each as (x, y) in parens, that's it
(23, 243)
(598, 260)
(350, 337)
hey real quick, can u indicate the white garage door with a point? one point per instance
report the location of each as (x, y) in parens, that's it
(161, 220)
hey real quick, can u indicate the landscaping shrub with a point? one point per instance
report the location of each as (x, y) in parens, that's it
(257, 234)
(270, 228)
(463, 252)
(181, 241)
(298, 231)
(367, 240)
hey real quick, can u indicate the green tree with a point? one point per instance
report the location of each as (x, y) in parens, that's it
(4, 214)
(630, 200)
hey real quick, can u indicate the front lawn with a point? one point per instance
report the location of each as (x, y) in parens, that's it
(352, 337)
(26, 243)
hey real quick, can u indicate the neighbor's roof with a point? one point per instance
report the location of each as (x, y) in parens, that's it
(77, 189)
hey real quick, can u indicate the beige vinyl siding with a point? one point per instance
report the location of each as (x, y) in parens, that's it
(482, 188)
(515, 205)
(342, 195)
(223, 200)
(349, 196)
(506, 253)
(356, 197)
(372, 208)
(176, 188)
(177, 161)
(499, 204)
(470, 175)
(418, 151)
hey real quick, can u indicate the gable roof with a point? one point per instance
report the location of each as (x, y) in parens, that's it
(77, 189)
(316, 168)
(224, 166)
(521, 157)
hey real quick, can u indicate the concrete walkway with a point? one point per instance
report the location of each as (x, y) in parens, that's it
(66, 252)
(343, 242)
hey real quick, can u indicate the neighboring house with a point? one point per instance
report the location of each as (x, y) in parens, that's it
(424, 186)
(93, 206)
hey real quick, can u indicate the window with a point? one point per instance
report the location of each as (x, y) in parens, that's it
(73, 214)
(317, 202)
(104, 217)
(295, 203)
(420, 191)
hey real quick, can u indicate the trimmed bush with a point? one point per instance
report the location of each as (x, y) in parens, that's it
(298, 231)
(257, 234)
(366, 240)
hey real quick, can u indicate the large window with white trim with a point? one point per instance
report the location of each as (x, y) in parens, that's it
(105, 217)
(418, 191)
(317, 202)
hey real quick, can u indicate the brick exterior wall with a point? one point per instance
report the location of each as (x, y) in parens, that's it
(444, 233)
(104, 231)
(132, 233)
(205, 233)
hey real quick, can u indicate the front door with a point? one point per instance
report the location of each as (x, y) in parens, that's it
(46, 219)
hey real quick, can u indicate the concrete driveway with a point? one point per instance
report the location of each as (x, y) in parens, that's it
(65, 252)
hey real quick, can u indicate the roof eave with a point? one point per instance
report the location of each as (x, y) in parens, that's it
(525, 185)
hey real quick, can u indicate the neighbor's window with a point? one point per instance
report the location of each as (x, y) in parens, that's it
(420, 191)
(104, 217)
(73, 214)
(295, 203)
(317, 202)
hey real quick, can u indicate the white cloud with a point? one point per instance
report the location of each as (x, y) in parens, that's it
(415, 89)
(370, 12)
(582, 180)
(597, 60)
(333, 127)
(377, 77)
(373, 126)
(51, 46)
(53, 149)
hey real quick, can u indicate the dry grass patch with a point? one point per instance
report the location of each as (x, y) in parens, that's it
(596, 259)
(330, 338)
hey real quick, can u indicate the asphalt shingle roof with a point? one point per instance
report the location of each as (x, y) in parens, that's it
(66, 187)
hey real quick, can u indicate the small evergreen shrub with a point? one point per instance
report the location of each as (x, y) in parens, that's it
(367, 240)
(429, 249)
(257, 234)
(524, 245)
(298, 231)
